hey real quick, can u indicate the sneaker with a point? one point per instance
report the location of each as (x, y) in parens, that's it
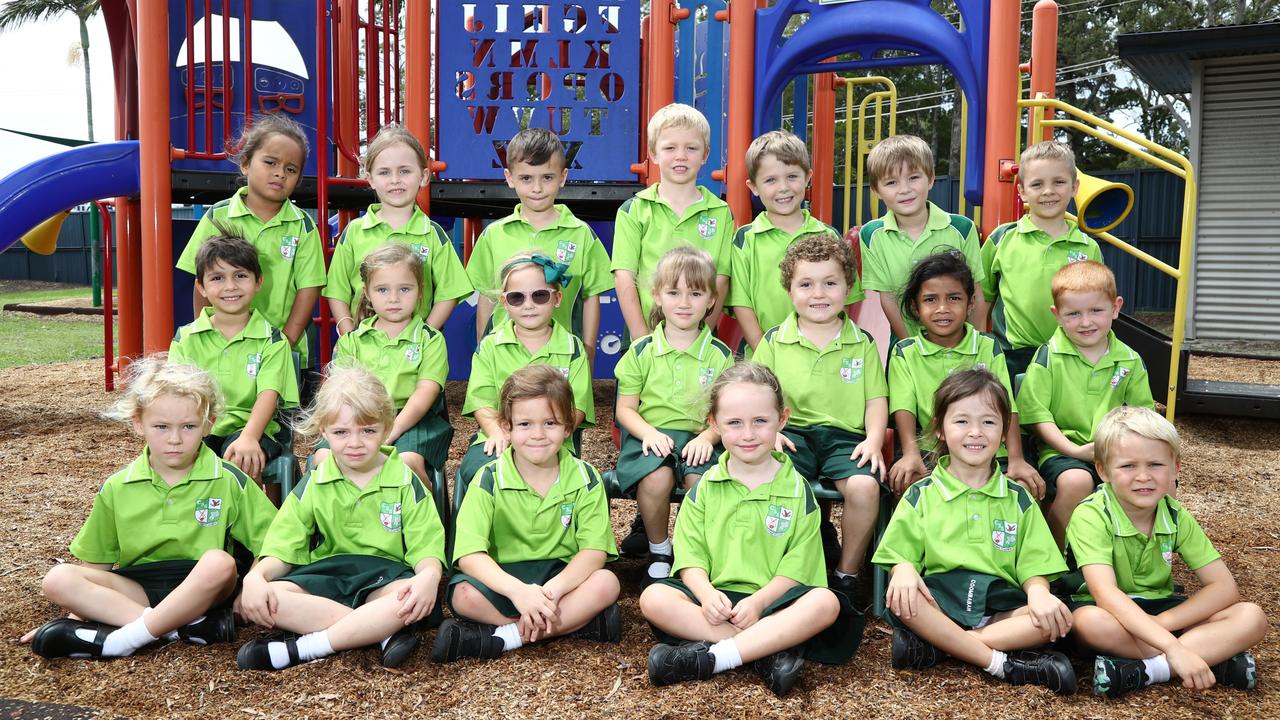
(1240, 671)
(460, 638)
(854, 587)
(1114, 676)
(1050, 669)
(254, 654)
(780, 671)
(217, 626)
(830, 544)
(70, 638)
(399, 647)
(635, 545)
(674, 663)
(605, 627)
(909, 652)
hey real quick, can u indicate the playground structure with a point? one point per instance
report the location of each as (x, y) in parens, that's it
(189, 74)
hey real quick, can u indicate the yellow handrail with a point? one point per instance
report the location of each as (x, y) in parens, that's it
(1153, 154)
(880, 97)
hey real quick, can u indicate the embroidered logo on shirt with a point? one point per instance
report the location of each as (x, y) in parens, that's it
(706, 375)
(208, 510)
(1075, 256)
(412, 353)
(778, 520)
(422, 251)
(851, 369)
(1004, 535)
(706, 227)
(565, 250)
(252, 363)
(564, 371)
(390, 516)
(566, 514)
(1166, 551)
(1118, 377)
(288, 246)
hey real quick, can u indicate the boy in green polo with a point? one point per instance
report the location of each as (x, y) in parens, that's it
(835, 386)
(1074, 379)
(235, 343)
(1020, 258)
(536, 171)
(1123, 539)
(779, 171)
(676, 210)
(900, 169)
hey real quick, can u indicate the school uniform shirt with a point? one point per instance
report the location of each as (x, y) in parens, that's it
(1067, 390)
(647, 227)
(756, 255)
(942, 524)
(138, 518)
(744, 538)
(501, 353)
(568, 240)
(392, 517)
(1101, 533)
(418, 353)
(889, 254)
(919, 366)
(506, 519)
(828, 387)
(672, 385)
(1019, 261)
(442, 275)
(256, 360)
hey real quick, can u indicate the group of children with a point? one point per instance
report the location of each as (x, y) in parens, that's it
(357, 554)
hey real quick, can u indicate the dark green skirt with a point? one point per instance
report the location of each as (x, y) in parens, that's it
(348, 579)
(968, 597)
(537, 572)
(633, 465)
(158, 579)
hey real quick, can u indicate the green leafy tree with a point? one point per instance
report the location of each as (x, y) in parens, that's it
(16, 13)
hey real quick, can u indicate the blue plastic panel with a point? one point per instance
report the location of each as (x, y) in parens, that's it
(702, 77)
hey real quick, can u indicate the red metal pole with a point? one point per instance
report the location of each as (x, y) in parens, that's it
(108, 301)
(155, 155)
(1002, 115)
(824, 145)
(1044, 53)
(742, 30)
(417, 81)
(323, 150)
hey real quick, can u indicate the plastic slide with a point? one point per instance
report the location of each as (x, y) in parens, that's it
(33, 193)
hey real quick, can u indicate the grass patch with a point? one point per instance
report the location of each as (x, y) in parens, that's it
(36, 340)
(27, 296)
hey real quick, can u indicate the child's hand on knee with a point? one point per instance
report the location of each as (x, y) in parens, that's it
(697, 451)
(657, 443)
(495, 445)
(258, 601)
(1021, 472)
(867, 454)
(746, 613)
(247, 455)
(537, 611)
(783, 443)
(906, 471)
(906, 592)
(717, 609)
(1192, 668)
(1049, 614)
(417, 597)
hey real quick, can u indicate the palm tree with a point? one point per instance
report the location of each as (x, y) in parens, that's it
(20, 12)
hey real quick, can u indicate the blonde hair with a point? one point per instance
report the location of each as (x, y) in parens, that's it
(749, 372)
(1048, 150)
(677, 115)
(1084, 276)
(817, 247)
(354, 387)
(783, 146)
(688, 262)
(153, 376)
(537, 381)
(517, 262)
(389, 255)
(1140, 421)
(389, 135)
(895, 151)
(262, 128)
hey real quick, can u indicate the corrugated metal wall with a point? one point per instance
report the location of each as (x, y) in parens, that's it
(1237, 266)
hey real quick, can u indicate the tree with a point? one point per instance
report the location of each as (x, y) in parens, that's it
(16, 13)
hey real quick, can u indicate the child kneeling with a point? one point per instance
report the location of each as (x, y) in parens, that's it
(533, 534)
(748, 555)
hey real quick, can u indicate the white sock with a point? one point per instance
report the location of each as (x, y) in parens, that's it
(510, 636)
(996, 667)
(311, 646)
(660, 569)
(1157, 669)
(726, 655)
(128, 639)
(845, 575)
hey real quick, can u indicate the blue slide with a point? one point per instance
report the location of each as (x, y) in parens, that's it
(38, 191)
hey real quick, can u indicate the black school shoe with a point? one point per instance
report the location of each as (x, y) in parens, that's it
(59, 639)
(1240, 671)
(830, 544)
(855, 587)
(1047, 668)
(909, 652)
(780, 671)
(217, 626)
(646, 580)
(636, 544)
(605, 627)
(254, 655)
(676, 663)
(399, 647)
(457, 639)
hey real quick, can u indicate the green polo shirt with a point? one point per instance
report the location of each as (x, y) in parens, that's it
(256, 360)
(1019, 261)
(647, 227)
(672, 384)
(744, 538)
(919, 367)
(1101, 533)
(418, 353)
(501, 353)
(889, 254)
(288, 249)
(1063, 388)
(506, 519)
(755, 260)
(392, 517)
(442, 275)
(942, 524)
(828, 387)
(568, 240)
(137, 518)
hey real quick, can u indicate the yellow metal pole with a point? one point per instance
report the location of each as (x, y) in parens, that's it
(848, 154)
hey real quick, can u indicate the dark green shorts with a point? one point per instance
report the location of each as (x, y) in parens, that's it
(220, 443)
(1017, 360)
(633, 465)
(348, 579)
(969, 597)
(158, 579)
(1151, 606)
(1053, 467)
(833, 645)
(537, 572)
(822, 453)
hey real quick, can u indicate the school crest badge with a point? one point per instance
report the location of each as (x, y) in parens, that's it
(422, 251)
(1004, 535)
(412, 353)
(565, 250)
(1075, 256)
(288, 246)
(706, 375)
(706, 227)
(1166, 552)
(389, 513)
(564, 371)
(252, 363)
(566, 514)
(208, 510)
(1118, 377)
(778, 520)
(851, 370)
